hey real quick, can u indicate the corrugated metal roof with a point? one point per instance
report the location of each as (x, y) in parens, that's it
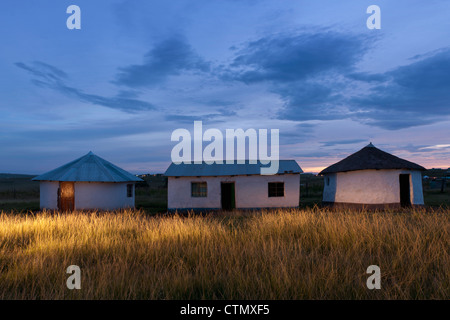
(235, 169)
(89, 168)
(370, 157)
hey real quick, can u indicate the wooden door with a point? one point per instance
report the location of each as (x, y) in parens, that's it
(66, 196)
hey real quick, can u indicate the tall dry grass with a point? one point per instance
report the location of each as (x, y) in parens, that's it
(285, 254)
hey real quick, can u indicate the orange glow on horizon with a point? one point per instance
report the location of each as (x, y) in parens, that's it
(312, 169)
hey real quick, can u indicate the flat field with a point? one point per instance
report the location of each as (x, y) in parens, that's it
(284, 254)
(307, 253)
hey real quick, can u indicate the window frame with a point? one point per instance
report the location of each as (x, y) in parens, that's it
(130, 190)
(275, 193)
(199, 192)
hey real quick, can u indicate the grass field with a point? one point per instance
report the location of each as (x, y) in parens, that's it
(286, 254)
(308, 253)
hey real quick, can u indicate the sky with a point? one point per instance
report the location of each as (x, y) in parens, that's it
(137, 70)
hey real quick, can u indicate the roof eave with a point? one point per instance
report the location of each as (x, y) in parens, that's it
(232, 175)
(122, 181)
(323, 172)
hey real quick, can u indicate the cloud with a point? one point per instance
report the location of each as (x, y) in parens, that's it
(310, 101)
(85, 133)
(297, 56)
(437, 147)
(300, 133)
(167, 58)
(367, 77)
(412, 95)
(219, 102)
(48, 76)
(314, 154)
(43, 71)
(315, 73)
(341, 142)
(307, 70)
(210, 117)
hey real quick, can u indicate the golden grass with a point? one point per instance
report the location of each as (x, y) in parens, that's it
(285, 254)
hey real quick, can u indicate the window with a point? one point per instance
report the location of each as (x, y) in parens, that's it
(198, 189)
(276, 189)
(328, 181)
(129, 190)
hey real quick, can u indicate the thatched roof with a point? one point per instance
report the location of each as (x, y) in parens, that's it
(371, 157)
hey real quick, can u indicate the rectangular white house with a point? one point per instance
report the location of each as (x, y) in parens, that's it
(229, 186)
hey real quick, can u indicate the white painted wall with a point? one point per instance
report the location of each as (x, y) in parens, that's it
(49, 195)
(329, 187)
(251, 192)
(89, 196)
(371, 187)
(102, 196)
(416, 185)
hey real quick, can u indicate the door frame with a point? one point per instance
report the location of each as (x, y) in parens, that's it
(233, 195)
(405, 189)
(71, 200)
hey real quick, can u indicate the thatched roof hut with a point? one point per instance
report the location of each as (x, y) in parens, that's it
(374, 178)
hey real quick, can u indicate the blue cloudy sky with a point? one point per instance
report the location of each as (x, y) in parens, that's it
(137, 70)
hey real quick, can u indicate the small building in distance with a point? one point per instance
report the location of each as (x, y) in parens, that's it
(229, 186)
(87, 183)
(373, 178)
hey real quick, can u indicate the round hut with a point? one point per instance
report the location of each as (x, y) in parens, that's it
(87, 183)
(373, 178)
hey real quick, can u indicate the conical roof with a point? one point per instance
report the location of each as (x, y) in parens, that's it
(371, 157)
(89, 168)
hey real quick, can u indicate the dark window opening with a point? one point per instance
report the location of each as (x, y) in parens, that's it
(129, 190)
(198, 189)
(276, 189)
